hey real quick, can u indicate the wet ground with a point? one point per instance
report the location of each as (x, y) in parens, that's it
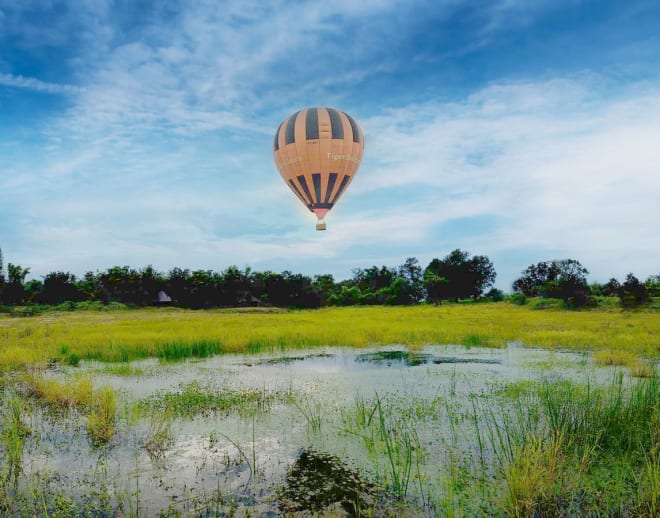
(345, 431)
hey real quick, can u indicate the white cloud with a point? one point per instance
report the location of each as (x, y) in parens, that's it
(558, 168)
(37, 85)
(569, 167)
(162, 155)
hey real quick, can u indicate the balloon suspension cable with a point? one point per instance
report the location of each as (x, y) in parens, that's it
(320, 225)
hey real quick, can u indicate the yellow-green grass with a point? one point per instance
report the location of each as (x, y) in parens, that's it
(642, 369)
(638, 367)
(78, 393)
(176, 333)
(621, 357)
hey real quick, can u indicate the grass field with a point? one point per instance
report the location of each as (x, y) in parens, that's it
(479, 432)
(176, 334)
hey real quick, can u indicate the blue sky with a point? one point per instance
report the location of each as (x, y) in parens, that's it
(135, 133)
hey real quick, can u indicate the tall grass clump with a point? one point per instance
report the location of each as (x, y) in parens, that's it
(617, 418)
(610, 357)
(77, 393)
(391, 439)
(159, 436)
(176, 351)
(642, 369)
(99, 405)
(102, 415)
(14, 433)
(588, 450)
(538, 476)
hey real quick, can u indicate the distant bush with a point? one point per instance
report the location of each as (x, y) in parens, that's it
(495, 295)
(608, 302)
(545, 303)
(516, 298)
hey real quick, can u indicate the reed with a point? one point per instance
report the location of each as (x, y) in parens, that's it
(76, 393)
(642, 369)
(101, 420)
(13, 433)
(614, 357)
(589, 450)
(159, 436)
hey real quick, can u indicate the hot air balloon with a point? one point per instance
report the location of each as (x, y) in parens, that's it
(318, 151)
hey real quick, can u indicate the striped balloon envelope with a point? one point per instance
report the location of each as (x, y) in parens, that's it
(318, 151)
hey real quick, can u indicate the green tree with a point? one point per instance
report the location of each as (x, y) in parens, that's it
(562, 279)
(611, 288)
(436, 286)
(412, 272)
(632, 292)
(465, 276)
(570, 283)
(535, 277)
(325, 285)
(2, 278)
(652, 284)
(14, 289)
(58, 287)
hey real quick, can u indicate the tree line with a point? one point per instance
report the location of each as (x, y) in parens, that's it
(457, 276)
(567, 280)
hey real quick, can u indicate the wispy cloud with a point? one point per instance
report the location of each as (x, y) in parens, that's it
(31, 83)
(161, 152)
(566, 166)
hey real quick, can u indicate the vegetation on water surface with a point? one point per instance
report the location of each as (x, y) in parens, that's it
(531, 448)
(539, 447)
(193, 399)
(580, 450)
(173, 334)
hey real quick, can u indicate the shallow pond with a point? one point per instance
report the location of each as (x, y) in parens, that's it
(331, 430)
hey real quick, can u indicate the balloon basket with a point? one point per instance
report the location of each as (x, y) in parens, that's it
(320, 225)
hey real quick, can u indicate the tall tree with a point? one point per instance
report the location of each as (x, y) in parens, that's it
(14, 289)
(2, 278)
(632, 292)
(562, 279)
(652, 284)
(465, 277)
(59, 287)
(412, 272)
(535, 277)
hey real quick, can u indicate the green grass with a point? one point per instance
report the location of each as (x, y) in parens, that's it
(173, 334)
(102, 415)
(566, 447)
(195, 399)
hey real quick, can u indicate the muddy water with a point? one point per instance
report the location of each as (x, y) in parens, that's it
(314, 449)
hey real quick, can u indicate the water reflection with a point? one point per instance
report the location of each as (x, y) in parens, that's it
(384, 358)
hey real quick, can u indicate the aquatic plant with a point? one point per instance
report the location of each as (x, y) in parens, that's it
(14, 433)
(159, 436)
(76, 393)
(101, 419)
(195, 398)
(311, 412)
(642, 369)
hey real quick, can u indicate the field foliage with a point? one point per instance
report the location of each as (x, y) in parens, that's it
(173, 334)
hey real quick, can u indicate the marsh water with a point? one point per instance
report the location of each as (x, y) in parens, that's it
(336, 430)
